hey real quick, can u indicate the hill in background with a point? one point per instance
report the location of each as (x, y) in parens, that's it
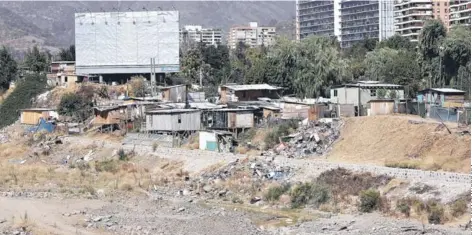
(51, 24)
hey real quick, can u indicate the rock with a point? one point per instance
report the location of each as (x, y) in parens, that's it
(109, 224)
(97, 219)
(222, 193)
(2, 221)
(16, 233)
(181, 209)
(207, 188)
(255, 199)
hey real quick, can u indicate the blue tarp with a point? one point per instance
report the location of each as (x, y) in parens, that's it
(43, 125)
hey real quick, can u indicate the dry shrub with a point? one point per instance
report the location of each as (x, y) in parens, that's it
(369, 200)
(343, 182)
(274, 193)
(402, 165)
(461, 205)
(309, 193)
(241, 150)
(126, 187)
(106, 166)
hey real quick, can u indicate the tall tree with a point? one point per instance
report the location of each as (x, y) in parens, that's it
(430, 49)
(319, 66)
(394, 66)
(8, 68)
(35, 60)
(67, 54)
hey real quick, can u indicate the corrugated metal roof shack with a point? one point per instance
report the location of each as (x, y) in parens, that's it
(236, 93)
(31, 116)
(294, 110)
(228, 118)
(170, 120)
(177, 93)
(108, 115)
(380, 107)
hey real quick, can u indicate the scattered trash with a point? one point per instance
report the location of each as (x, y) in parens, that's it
(314, 138)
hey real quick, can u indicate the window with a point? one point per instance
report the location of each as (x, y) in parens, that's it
(373, 92)
(179, 120)
(335, 93)
(445, 10)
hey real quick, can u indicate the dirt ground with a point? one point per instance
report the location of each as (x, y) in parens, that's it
(145, 194)
(384, 140)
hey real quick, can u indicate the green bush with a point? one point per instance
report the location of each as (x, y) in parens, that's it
(404, 207)
(122, 155)
(272, 138)
(459, 207)
(77, 105)
(369, 200)
(435, 213)
(274, 193)
(309, 193)
(26, 89)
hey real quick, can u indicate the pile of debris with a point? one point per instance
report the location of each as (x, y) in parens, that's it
(259, 169)
(44, 145)
(313, 138)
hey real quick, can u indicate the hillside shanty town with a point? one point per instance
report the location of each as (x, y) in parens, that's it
(357, 122)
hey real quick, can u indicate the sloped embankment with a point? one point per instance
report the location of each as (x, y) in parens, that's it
(394, 141)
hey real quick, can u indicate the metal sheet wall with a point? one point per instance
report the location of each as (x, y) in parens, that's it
(125, 42)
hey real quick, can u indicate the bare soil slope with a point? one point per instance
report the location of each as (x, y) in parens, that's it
(393, 140)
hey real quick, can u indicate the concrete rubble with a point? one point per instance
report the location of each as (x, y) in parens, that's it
(314, 138)
(260, 169)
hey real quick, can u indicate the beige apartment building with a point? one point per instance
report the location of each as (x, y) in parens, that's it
(252, 35)
(196, 33)
(410, 15)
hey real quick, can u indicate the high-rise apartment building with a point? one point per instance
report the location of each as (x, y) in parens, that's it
(196, 33)
(410, 16)
(349, 21)
(459, 12)
(252, 35)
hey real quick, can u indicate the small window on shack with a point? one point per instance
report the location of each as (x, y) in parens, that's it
(335, 93)
(373, 92)
(179, 119)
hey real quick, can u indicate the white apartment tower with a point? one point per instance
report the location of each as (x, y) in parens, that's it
(459, 12)
(410, 16)
(252, 35)
(348, 21)
(196, 33)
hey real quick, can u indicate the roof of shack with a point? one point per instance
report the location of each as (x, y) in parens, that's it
(172, 111)
(236, 87)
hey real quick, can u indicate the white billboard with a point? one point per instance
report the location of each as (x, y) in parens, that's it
(125, 42)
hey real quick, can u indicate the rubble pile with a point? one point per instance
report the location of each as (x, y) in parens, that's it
(315, 138)
(45, 145)
(260, 169)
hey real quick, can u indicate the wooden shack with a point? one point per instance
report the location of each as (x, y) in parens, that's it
(294, 110)
(269, 111)
(175, 94)
(110, 115)
(228, 119)
(252, 92)
(380, 107)
(31, 116)
(173, 120)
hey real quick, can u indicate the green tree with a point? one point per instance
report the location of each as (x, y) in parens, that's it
(21, 98)
(35, 60)
(393, 66)
(67, 54)
(319, 66)
(8, 68)
(456, 55)
(430, 49)
(398, 42)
